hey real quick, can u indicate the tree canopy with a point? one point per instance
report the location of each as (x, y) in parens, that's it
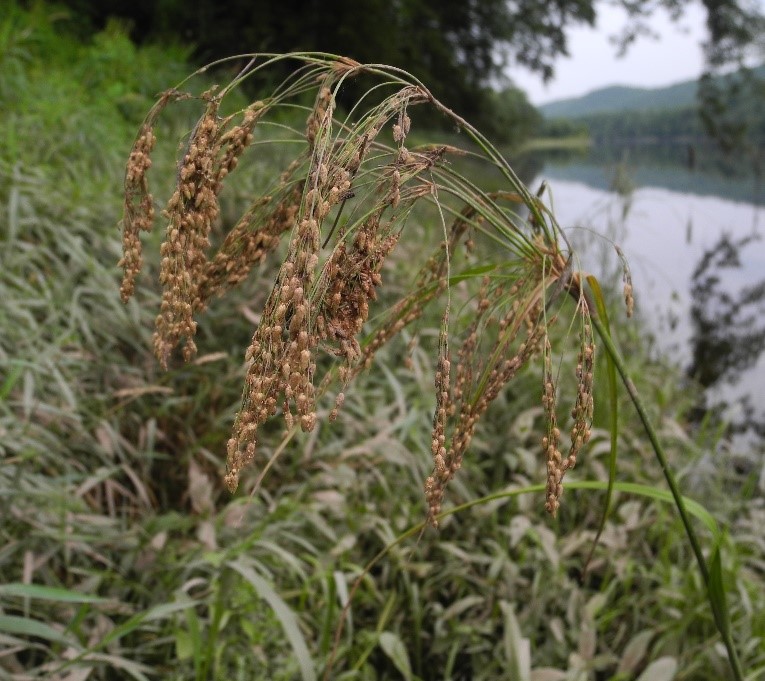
(457, 47)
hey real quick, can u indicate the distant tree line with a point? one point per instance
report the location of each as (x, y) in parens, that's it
(738, 122)
(670, 125)
(459, 48)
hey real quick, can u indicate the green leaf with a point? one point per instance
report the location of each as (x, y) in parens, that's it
(635, 651)
(395, 649)
(663, 669)
(717, 591)
(693, 507)
(283, 613)
(10, 380)
(471, 273)
(517, 647)
(24, 626)
(195, 636)
(135, 669)
(157, 613)
(47, 593)
(183, 645)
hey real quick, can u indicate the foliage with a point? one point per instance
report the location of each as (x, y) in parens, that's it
(727, 109)
(619, 99)
(515, 120)
(561, 128)
(641, 127)
(456, 47)
(727, 337)
(124, 558)
(88, 92)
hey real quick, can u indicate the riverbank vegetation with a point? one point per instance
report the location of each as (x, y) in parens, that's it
(724, 112)
(125, 555)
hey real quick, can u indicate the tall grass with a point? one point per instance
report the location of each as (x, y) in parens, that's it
(126, 557)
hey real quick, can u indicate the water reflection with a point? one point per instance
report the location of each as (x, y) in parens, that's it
(728, 326)
(692, 169)
(697, 260)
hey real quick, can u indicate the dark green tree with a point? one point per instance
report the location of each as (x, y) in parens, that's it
(514, 118)
(457, 47)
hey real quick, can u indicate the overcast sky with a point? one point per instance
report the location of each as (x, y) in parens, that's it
(593, 64)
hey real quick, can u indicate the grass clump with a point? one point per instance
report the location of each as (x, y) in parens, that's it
(125, 556)
(321, 295)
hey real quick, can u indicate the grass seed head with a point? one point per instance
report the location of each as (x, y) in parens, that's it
(330, 277)
(138, 209)
(191, 212)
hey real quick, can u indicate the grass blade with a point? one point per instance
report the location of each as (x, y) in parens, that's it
(47, 593)
(677, 498)
(663, 669)
(693, 507)
(10, 381)
(157, 613)
(24, 626)
(717, 591)
(395, 649)
(283, 613)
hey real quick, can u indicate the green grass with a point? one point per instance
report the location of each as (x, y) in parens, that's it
(123, 554)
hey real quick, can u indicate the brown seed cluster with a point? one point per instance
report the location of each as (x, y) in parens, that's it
(629, 300)
(236, 140)
(281, 354)
(138, 211)
(584, 404)
(353, 274)
(281, 365)
(191, 212)
(551, 442)
(438, 438)
(581, 414)
(480, 377)
(430, 283)
(317, 120)
(256, 234)
(331, 274)
(305, 310)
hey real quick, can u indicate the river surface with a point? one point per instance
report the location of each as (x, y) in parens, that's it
(694, 243)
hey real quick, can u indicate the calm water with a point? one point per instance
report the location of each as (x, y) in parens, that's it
(697, 256)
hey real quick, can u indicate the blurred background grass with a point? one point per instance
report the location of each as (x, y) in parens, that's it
(124, 557)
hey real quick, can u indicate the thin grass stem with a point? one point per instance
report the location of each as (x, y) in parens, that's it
(719, 617)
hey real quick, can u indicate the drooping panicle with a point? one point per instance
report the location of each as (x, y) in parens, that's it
(138, 207)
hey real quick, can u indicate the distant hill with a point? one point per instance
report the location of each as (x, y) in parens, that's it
(623, 98)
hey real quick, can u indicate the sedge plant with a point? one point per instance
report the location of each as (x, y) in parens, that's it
(500, 271)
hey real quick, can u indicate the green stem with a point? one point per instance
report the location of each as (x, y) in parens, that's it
(720, 621)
